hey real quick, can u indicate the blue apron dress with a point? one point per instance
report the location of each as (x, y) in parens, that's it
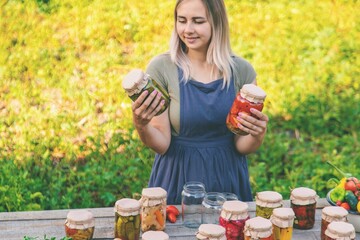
(204, 150)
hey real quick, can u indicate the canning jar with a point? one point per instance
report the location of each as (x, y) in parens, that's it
(192, 196)
(155, 235)
(212, 205)
(282, 220)
(211, 231)
(340, 230)
(136, 81)
(332, 214)
(153, 209)
(230, 196)
(249, 96)
(127, 219)
(303, 202)
(233, 216)
(80, 225)
(258, 228)
(266, 202)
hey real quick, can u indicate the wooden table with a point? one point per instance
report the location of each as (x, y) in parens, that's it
(16, 225)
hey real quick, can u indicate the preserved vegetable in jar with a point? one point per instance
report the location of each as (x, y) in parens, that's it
(153, 209)
(155, 235)
(258, 228)
(192, 197)
(127, 219)
(249, 96)
(233, 216)
(340, 230)
(266, 202)
(283, 221)
(303, 202)
(211, 231)
(136, 82)
(80, 225)
(331, 214)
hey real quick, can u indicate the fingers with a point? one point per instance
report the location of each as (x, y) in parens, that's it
(147, 106)
(251, 124)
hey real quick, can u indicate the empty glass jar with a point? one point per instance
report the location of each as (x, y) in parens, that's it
(192, 197)
(212, 205)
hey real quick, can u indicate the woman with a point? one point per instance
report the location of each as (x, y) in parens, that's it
(202, 76)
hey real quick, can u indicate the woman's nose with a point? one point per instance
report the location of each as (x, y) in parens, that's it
(189, 27)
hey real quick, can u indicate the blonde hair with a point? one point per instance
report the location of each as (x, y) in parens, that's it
(219, 52)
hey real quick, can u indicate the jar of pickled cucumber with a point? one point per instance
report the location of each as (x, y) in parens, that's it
(155, 235)
(80, 225)
(153, 209)
(266, 202)
(340, 230)
(332, 214)
(211, 231)
(282, 220)
(303, 202)
(233, 216)
(127, 219)
(258, 228)
(136, 82)
(249, 96)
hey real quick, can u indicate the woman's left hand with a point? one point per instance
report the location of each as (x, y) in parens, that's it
(252, 125)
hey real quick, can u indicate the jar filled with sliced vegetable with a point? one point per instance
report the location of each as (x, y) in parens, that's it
(210, 231)
(340, 230)
(266, 202)
(303, 202)
(153, 209)
(258, 228)
(283, 221)
(155, 235)
(332, 214)
(80, 225)
(127, 219)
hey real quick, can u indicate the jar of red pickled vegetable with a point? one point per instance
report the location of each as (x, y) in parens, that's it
(340, 230)
(80, 225)
(266, 201)
(332, 214)
(136, 81)
(249, 96)
(127, 219)
(155, 235)
(211, 231)
(303, 202)
(258, 228)
(283, 221)
(233, 216)
(153, 209)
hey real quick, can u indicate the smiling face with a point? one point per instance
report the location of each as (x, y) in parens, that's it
(192, 25)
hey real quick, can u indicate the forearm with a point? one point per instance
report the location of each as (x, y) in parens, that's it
(154, 138)
(248, 144)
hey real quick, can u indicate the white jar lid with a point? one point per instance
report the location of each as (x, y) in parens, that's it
(258, 227)
(154, 193)
(252, 93)
(334, 213)
(303, 196)
(340, 230)
(127, 207)
(234, 210)
(268, 199)
(80, 219)
(155, 235)
(211, 231)
(283, 217)
(134, 81)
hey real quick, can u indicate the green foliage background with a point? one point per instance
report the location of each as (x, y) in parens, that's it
(66, 135)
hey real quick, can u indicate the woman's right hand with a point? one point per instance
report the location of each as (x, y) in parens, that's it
(146, 107)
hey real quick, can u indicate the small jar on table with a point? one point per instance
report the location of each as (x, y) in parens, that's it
(332, 214)
(283, 221)
(266, 202)
(211, 231)
(303, 202)
(340, 230)
(127, 219)
(155, 235)
(258, 228)
(80, 225)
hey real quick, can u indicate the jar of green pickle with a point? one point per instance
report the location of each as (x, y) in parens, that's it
(266, 202)
(211, 231)
(80, 225)
(155, 235)
(136, 82)
(258, 228)
(340, 230)
(303, 202)
(127, 219)
(282, 220)
(332, 214)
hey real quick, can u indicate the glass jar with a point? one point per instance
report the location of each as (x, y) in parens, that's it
(211, 231)
(303, 202)
(282, 220)
(332, 214)
(233, 216)
(230, 196)
(127, 219)
(212, 205)
(153, 209)
(258, 228)
(155, 235)
(80, 225)
(340, 230)
(136, 82)
(266, 201)
(192, 196)
(249, 96)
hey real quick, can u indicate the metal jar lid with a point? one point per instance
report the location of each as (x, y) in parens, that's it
(340, 230)
(134, 81)
(268, 199)
(252, 93)
(211, 231)
(127, 207)
(303, 196)
(155, 235)
(80, 219)
(283, 217)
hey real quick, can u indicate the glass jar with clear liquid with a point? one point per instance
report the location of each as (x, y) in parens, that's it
(192, 197)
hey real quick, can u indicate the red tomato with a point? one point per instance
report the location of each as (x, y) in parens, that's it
(351, 183)
(338, 203)
(172, 209)
(345, 205)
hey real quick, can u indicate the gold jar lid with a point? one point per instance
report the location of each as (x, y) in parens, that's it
(303, 196)
(334, 213)
(340, 230)
(155, 235)
(80, 219)
(127, 207)
(283, 217)
(252, 93)
(270, 199)
(211, 232)
(134, 81)
(234, 210)
(258, 227)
